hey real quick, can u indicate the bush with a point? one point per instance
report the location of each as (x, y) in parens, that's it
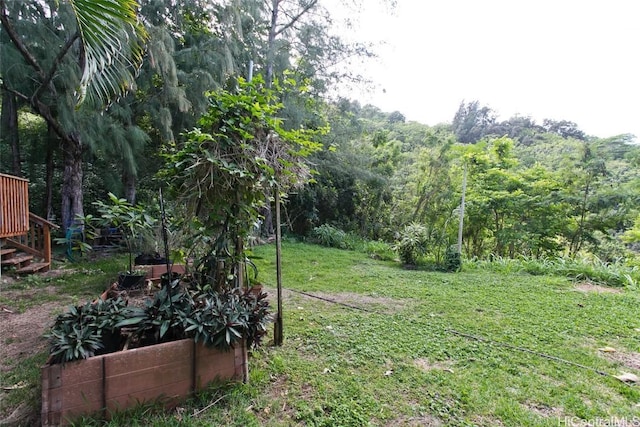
(412, 244)
(327, 235)
(452, 259)
(217, 319)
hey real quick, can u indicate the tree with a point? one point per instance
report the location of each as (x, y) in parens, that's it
(472, 122)
(564, 128)
(96, 47)
(220, 172)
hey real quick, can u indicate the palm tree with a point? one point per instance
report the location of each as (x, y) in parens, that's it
(98, 46)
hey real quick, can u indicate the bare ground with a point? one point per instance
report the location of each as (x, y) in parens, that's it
(21, 333)
(590, 287)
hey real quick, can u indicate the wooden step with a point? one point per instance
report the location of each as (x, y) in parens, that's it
(33, 267)
(17, 260)
(7, 251)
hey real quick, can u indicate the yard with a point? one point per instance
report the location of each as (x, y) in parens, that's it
(369, 343)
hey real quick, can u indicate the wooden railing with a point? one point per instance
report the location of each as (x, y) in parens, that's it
(14, 206)
(37, 240)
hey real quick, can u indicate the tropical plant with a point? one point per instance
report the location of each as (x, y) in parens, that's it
(177, 311)
(412, 243)
(81, 332)
(223, 172)
(131, 221)
(62, 54)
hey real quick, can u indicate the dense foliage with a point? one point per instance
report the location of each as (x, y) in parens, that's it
(534, 190)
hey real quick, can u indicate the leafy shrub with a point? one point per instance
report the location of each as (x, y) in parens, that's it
(452, 259)
(412, 244)
(217, 319)
(327, 235)
(81, 332)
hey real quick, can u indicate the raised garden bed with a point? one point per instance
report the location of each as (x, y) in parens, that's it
(155, 272)
(167, 372)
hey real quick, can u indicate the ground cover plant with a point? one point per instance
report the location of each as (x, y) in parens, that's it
(370, 343)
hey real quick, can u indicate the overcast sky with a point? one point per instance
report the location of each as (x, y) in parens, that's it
(563, 60)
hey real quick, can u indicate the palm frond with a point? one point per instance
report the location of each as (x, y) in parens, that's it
(112, 41)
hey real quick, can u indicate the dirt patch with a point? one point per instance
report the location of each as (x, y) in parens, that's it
(627, 359)
(22, 333)
(383, 305)
(276, 405)
(544, 411)
(590, 287)
(421, 421)
(427, 366)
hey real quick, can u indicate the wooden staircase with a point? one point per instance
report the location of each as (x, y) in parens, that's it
(22, 262)
(25, 238)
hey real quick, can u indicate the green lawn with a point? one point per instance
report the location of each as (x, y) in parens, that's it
(415, 348)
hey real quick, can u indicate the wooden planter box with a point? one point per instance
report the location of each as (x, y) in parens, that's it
(116, 381)
(153, 272)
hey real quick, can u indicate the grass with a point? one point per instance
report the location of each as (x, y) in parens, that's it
(402, 359)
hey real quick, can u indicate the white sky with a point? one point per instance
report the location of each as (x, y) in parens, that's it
(564, 60)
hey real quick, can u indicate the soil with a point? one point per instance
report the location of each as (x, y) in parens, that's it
(21, 333)
(590, 287)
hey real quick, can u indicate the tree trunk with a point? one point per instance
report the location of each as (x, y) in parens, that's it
(71, 181)
(129, 184)
(52, 143)
(9, 130)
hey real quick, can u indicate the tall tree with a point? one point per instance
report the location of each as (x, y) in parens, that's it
(472, 122)
(88, 57)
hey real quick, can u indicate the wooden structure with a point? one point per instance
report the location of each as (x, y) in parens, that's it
(25, 238)
(168, 372)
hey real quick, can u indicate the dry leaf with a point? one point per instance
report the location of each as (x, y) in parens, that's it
(627, 378)
(607, 350)
(21, 384)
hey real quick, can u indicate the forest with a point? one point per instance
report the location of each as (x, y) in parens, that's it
(530, 190)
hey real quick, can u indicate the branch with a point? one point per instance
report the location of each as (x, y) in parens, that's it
(56, 62)
(4, 19)
(42, 109)
(295, 18)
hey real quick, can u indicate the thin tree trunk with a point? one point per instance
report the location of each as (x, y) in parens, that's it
(52, 143)
(71, 181)
(129, 183)
(275, 7)
(576, 240)
(9, 130)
